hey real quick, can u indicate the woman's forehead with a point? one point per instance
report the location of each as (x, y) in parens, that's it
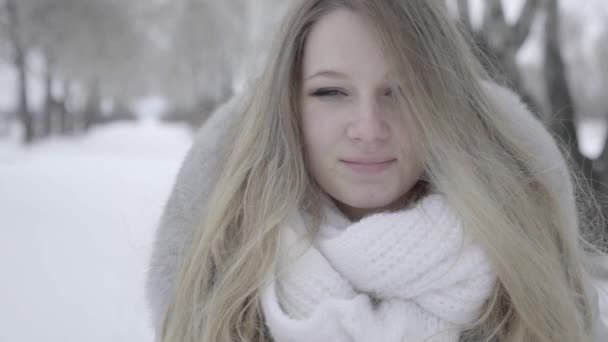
(342, 44)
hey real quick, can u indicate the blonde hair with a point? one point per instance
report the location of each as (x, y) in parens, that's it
(470, 155)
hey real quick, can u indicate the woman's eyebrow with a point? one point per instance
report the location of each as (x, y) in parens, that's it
(327, 73)
(334, 74)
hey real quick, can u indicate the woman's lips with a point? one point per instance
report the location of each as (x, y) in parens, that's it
(368, 167)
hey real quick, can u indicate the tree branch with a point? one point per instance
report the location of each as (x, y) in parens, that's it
(493, 14)
(521, 29)
(13, 28)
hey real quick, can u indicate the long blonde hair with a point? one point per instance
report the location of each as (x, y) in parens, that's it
(470, 155)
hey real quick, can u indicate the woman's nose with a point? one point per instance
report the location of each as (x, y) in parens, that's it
(369, 124)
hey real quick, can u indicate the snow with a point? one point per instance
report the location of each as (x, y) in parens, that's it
(78, 221)
(151, 107)
(592, 133)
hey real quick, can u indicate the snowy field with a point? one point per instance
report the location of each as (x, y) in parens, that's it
(78, 221)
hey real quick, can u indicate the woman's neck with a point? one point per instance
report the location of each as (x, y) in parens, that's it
(419, 190)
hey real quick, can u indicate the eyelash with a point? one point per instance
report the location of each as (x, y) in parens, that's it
(323, 92)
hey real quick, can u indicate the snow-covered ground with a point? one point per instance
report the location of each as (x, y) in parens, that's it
(78, 218)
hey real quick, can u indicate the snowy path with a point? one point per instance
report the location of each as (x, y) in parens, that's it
(77, 226)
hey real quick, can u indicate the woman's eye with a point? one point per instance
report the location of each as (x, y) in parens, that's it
(389, 92)
(328, 92)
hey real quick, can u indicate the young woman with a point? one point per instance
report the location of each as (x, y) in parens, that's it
(372, 185)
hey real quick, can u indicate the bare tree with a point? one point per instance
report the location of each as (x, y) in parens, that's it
(589, 82)
(560, 99)
(198, 64)
(18, 55)
(499, 41)
(90, 43)
(562, 106)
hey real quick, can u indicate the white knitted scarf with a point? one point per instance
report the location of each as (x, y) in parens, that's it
(412, 275)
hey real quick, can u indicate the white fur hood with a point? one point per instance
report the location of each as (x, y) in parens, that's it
(200, 168)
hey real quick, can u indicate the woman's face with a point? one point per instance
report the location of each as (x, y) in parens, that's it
(358, 143)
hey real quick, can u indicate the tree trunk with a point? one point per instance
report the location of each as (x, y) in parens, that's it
(92, 110)
(23, 112)
(560, 100)
(62, 116)
(49, 103)
(562, 106)
(67, 123)
(5, 124)
(498, 42)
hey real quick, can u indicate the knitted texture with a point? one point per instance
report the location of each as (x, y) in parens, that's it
(410, 275)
